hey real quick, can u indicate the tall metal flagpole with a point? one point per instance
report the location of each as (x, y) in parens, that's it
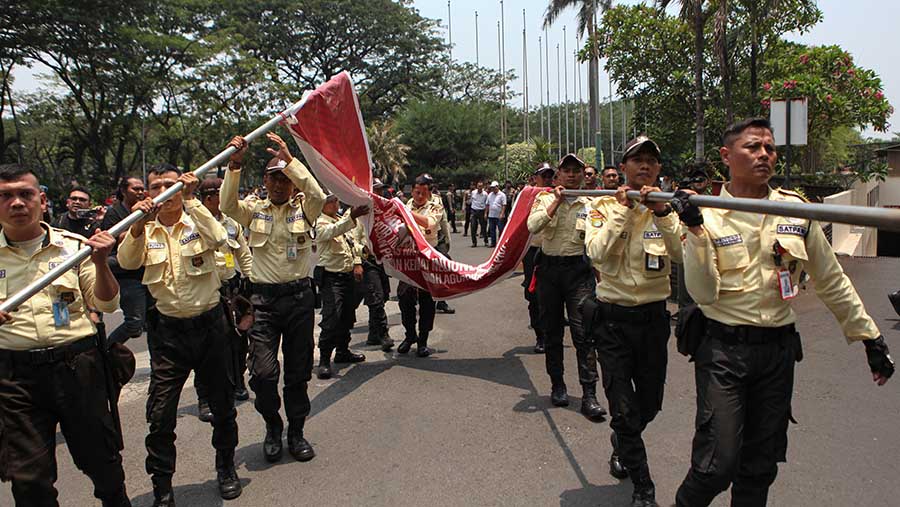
(566, 78)
(502, 98)
(584, 137)
(503, 59)
(612, 137)
(882, 218)
(547, 70)
(558, 107)
(541, 80)
(34, 287)
(524, 81)
(575, 98)
(477, 61)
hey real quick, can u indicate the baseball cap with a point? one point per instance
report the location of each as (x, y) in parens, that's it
(495, 184)
(640, 143)
(278, 167)
(376, 183)
(571, 158)
(544, 167)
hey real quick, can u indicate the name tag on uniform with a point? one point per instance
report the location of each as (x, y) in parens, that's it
(262, 216)
(293, 218)
(795, 230)
(292, 252)
(153, 245)
(654, 263)
(2, 273)
(652, 235)
(734, 239)
(785, 286)
(190, 237)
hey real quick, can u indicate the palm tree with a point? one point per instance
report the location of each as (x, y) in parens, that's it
(587, 13)
(692, 12)
(388, 153)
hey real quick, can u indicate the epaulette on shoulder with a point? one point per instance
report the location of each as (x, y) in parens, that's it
(791, 193)
(69, 235)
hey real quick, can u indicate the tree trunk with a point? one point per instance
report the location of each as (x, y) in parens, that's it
(754, 54)
(699, 147)
(724, 63)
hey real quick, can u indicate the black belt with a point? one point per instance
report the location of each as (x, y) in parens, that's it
(275, 290)
(748, 335)
(342, 274)
(201, 321)
(562, 260)
(637, 314)
(49, 355)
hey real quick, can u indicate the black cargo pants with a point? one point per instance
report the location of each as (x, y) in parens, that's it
(285, 315)
(563, 283)
(371, 291)
(631, 347)
(409, 297)
(534, 313)
(338, 311)
(37, 396)
(745, 378)
(178, 347)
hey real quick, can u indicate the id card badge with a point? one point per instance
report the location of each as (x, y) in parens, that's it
(785, 285)
(292, 252)
(654, 263)
(229, 260)
(60, 313)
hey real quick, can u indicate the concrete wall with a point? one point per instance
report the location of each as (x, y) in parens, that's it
(851, 239)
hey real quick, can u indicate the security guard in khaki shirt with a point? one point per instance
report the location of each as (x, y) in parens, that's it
(51, 370)
(341, 262)
(564, 281)
(427, 213)
(543, 178)
(234, 254)
(632, 246)
(176, 243)
(281, 239)
(374, 287)
(742, 269)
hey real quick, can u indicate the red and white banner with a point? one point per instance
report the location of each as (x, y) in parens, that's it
(330, 132)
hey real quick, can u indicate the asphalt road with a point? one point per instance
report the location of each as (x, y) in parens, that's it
(472, 425)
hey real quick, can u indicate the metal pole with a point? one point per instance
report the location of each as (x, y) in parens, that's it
(541, 79)
(612, 137)
(566, 78)
(524, 81)
(36, 286)
(143, 152)
(575, 98)
(581, 103)
(449, 32)
(882, 218)
(547, 70)
(477, 62)
(558, 108)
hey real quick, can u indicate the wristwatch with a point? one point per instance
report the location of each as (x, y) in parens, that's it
(664, 212)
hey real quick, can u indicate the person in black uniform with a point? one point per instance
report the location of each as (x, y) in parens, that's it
(543, 177)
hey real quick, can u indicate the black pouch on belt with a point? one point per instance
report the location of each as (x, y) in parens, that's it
(589, 316)
(690, 329)
(895, 300)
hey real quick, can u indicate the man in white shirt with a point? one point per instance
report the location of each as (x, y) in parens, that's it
(478, 200)
(495, 210)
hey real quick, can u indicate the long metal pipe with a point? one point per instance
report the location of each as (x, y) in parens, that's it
(36, 286)
(882, 218)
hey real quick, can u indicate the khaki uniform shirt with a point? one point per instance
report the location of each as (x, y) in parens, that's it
(732, 273)
(563, 234)
(179, 268)
(633, 250)
(279, 234)
(234, 254)
(337, 250)
(433, 211)
(33, 325)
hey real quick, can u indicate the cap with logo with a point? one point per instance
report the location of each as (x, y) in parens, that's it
(639, 144)
(544, 167)
(277, 167)
(570, 160)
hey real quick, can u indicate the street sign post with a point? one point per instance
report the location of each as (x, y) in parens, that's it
(789, 125)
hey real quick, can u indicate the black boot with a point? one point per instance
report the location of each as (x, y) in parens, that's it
(203, 411)
(407, 343)
(374, 339)
(539, 345)
(348, 356)
(443, 307)
(590, 407)
(229, 483)
(422, 349)
(386, 342)
(298, 446)
(644, 491)
(616, 468)
(240, 391)
(324, 372)
(163, 496)
(272, 446)
(559, 397)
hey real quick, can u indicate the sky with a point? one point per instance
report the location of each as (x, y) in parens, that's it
(865, 28)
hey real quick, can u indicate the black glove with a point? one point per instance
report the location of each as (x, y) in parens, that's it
(879, 357)
(688, 213)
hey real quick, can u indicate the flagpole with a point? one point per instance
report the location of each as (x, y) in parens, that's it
(541, 80)
(575, 97)
(547, 70)
(882, 218)
(558, 107)
(566, 78)
(449, 32)
(36, 286)
(524, 81)
(477, 62)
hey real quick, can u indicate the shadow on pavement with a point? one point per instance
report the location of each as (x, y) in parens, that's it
(205, 495)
